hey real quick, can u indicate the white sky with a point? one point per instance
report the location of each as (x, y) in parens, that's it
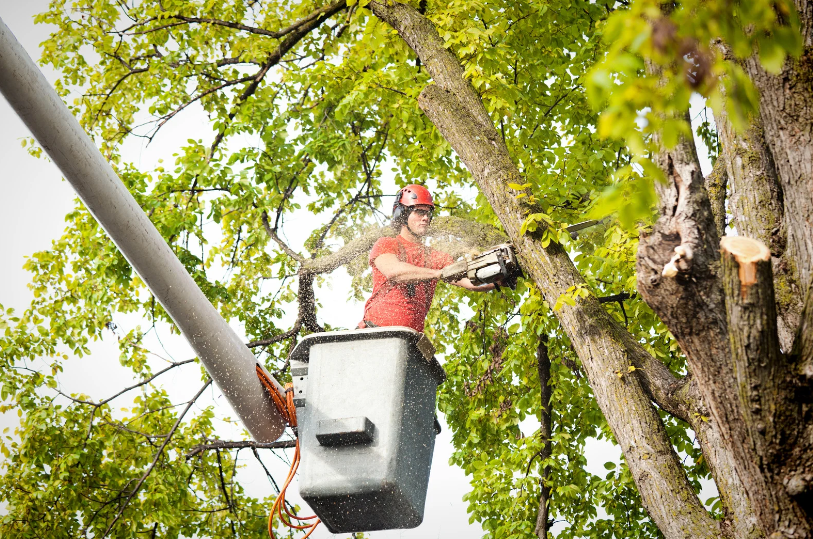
(32, 207)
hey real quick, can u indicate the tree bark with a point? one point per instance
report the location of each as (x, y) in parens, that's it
(786, 109)
(765, 381)
(739, 520)
(603, 346)
(545, 432)
(798, 477)
(758, 209)
(716, 185)
(679, 275)
(677, 267)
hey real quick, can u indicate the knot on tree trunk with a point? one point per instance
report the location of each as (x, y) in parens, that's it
(679, 262)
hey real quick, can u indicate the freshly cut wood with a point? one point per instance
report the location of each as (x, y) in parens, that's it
(747, 252)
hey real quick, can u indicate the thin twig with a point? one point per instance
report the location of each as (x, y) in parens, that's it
(273, 235)
(155, 459)
(125, 390)
(277, 338)
(262, 31)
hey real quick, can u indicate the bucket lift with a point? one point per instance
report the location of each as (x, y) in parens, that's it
(365, 406)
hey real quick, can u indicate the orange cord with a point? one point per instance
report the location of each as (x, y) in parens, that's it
(285, 406)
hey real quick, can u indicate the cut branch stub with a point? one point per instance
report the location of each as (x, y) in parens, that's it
(748, 253)
(771, 414)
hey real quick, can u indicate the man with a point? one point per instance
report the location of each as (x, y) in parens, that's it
(405, 271)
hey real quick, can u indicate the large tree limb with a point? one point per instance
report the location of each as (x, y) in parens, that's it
(766, 384)
(775, 401)
(603, 346)
(786, 112)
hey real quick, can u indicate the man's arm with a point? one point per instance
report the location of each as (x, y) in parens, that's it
(468, 285)
(399, 272)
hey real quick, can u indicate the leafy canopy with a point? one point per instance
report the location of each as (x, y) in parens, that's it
(322, 120)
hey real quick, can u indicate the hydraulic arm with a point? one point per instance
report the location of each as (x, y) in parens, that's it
(229, 362)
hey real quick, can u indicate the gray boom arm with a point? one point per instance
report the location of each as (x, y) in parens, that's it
(222, 352)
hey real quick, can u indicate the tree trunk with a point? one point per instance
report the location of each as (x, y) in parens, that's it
(603, 346)
(545, 432)
(786, 109)
(679, 275)
(677, 267)
(758, 208)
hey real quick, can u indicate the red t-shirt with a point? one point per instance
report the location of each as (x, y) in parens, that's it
(403, 304)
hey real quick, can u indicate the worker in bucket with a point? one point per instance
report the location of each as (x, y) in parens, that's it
(405, 271)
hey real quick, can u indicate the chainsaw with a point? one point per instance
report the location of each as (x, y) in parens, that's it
(497, 266)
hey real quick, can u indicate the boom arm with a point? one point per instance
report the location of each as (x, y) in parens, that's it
(226, 358)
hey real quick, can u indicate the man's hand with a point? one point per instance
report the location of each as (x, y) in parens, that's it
(468, 285)
(454, 271)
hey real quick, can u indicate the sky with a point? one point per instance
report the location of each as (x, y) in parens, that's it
(32, 207)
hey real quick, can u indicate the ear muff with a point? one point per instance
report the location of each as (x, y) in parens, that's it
(399, 212)
(399, 217)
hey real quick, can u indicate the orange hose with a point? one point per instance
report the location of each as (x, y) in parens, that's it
(285, 407)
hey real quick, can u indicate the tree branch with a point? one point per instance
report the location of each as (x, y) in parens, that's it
(545, 432)
(164, 119)
(277, 338)
(307, 302)
(273, 235)
(219, 444)
(297, 31)
(130, 388)
(223, 483)
(323, 12)
(155, 459)
(757, 208)
(766, 391)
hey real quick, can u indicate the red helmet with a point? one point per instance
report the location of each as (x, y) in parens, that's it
(411, 195)
(414, 195)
